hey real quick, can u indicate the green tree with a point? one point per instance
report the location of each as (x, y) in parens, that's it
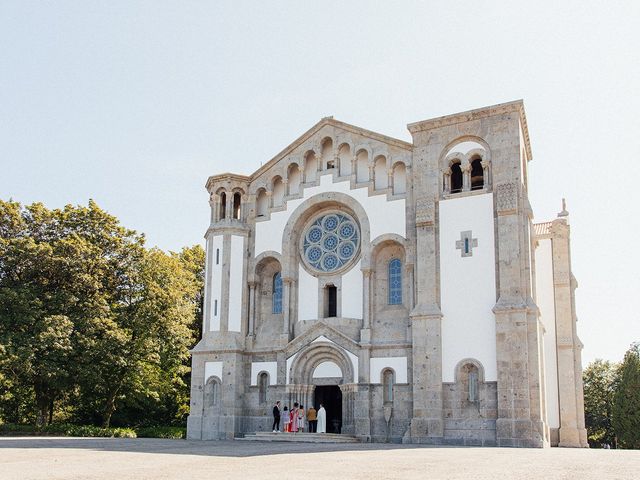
(599, 380)
(90, 317)
(626, 405)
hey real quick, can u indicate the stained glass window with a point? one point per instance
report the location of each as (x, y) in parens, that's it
(330, 242)
(277, 293)
(395, 282)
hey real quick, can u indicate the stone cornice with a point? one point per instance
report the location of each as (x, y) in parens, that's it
(229, 177)
(517, 106)
(334, 123)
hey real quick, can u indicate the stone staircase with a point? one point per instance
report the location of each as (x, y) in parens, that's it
(299, 437)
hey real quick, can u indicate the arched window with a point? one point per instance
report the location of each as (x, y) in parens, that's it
(456, 178)
(399, 179)
(278, 192)
(263, 382)
(469, 378)
(237, 202)
(387, 385)
(211, 393)
(262, 203)
(477, 175)
(473, 385)
(223, 206)
(277, 293)
(395, 282)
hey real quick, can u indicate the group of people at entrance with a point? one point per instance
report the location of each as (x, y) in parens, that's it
(293, 420)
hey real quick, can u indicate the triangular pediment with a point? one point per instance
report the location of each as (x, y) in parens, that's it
(338, 131)
(317, 332)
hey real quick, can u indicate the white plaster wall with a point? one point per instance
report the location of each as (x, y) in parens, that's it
(270, 367)
(398, 364)
(327, 369)
(384, 216)
(546, 303)
(354, 364)
(235, 284)
(206, 314)
(468, 287)
(289, 363)
(352, 292)
(307, 295)
(216, 284)
(212, 369)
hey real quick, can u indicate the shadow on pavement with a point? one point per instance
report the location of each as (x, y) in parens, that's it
(229, 448)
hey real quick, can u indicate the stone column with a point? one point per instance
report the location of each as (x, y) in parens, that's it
(390, 180)
(366, 298)
(466, 177)
(286, 297)
(485, 173)
(447, 181)
(427, 425)
(252, 308)
(229, 208)
(212, 204)
(354, 169)
(336, 162)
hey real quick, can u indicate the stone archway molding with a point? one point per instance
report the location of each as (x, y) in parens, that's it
(313, 355)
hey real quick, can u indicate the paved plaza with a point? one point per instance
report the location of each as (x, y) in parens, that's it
(119, 459)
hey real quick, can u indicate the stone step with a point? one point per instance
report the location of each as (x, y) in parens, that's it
(299, 437)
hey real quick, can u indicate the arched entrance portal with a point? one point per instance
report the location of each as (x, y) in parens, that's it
(323, 373)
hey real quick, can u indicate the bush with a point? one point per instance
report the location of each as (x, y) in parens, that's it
(13, 429)
(67, 430)
(162, 432)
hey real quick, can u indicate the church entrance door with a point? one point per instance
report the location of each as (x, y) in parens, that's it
(331, 397)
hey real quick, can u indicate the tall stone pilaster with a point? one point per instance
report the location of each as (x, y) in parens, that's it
(572, 431)
(427, 425)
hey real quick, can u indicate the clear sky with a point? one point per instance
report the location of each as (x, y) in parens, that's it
(135, 104)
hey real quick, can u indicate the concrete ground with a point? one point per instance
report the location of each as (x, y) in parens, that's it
(115, 459)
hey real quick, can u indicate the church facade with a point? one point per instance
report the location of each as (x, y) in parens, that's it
(403, 285)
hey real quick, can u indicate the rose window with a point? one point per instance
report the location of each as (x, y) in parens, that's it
(330, 242)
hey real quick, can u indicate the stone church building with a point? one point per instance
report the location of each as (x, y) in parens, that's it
(404, 285)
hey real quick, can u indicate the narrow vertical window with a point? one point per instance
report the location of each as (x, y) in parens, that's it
(277, 293)
(263, 381)
(387, 382)
(217, 256)
(215, 308)
(456, 178)
(473, 386)
(237, 202)
(466, 245)
(477, 175)
(223, 206)
(211, 393)
(331, 301)
(395, 282)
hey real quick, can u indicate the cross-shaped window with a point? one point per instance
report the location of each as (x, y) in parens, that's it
(466, 243)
